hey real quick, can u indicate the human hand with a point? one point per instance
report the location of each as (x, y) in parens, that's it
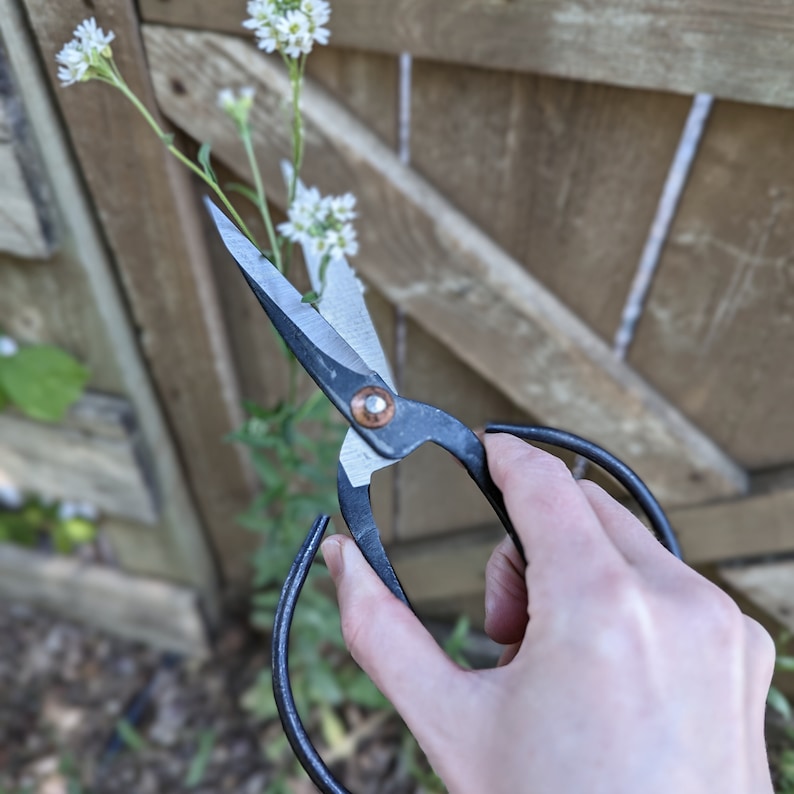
(633, 673)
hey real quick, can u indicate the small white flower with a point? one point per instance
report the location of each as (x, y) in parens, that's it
(8, 347)
(225, 98)
(318, 11)
(237, 106)
(72, 63)
(290, 26)
(10, 496)
(294, 33)
(89, 49)
(341, 207)
(92, 37)
(342, 242)
(322, 223)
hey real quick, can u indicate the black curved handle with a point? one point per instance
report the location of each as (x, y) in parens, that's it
(296, 734)
(626, 476)
(356, 507)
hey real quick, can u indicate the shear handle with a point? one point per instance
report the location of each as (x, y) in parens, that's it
(356, 507)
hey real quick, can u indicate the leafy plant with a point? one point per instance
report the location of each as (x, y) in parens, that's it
(41, 380)
(784, 663)
(294, 448)
(36, 522)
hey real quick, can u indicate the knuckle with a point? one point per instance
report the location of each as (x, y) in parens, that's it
(760, 644)
(719, 615)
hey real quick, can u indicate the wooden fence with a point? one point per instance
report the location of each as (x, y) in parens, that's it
(500, 237)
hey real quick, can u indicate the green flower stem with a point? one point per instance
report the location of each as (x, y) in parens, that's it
(296, 69)
(119, 83)
(245, 135)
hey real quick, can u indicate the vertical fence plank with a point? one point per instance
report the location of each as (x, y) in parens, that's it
(143, 200)
(718, 331)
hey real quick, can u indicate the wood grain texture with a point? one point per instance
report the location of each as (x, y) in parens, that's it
(147, 610)
(718, 331)
(769, 586)
(22, 218)
(77, 303)
(435, 493)
(730, 49)
(447, 275)
(444, 569)
(564, 176)
(27, 217)
(96, 454)
(150, 221)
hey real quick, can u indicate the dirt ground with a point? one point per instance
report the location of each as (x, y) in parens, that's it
(64, 690)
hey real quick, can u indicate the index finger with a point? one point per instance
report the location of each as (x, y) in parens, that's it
(565, 543)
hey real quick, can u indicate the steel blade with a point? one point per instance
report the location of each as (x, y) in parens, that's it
(333, 364)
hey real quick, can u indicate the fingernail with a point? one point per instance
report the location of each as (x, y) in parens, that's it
(332, 554)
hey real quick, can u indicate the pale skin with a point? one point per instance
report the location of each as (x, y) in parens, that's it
(633, 673)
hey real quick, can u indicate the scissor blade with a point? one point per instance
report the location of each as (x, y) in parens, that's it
(319, 348)
(342, 301)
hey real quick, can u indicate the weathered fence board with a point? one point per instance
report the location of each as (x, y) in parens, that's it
(158, 613)
(95, 455)
(435, 494)
(27, 224)
(443, 272)
(732, 49)
(718, 331)
(452, 567)
(150, 221)
(78, 303)
(768, 585)
(564, 176)
(549, 169)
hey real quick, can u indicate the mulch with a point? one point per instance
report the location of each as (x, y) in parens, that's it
(64, 688)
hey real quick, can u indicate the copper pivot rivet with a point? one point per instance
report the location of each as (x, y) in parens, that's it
(372, 407)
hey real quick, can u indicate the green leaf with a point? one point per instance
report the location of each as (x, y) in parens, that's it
(204, 159)
(779, 702)
(332, 728)
(3, 402)
(243, 190)
(130, 736)
(456, 641)
(785, 663)
(79, 530)
(363, 692)
(43, 381)
(310, 297)
(200, 761)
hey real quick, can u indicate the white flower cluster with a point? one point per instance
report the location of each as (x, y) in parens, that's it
(322, 223)
(290, 27)
(85, 51)
(8, 347)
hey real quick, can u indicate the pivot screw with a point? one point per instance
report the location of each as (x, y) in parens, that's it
(372, 407)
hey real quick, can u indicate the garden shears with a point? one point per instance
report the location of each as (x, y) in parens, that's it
(337, 345)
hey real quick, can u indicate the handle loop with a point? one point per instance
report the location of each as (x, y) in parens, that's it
(294, 729)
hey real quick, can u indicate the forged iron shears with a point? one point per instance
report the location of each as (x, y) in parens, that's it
(337, 345)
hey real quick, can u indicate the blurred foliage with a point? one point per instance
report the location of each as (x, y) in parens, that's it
(36, 523)
(295, 449)
(42, 381)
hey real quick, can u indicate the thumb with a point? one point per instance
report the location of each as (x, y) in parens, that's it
(392, 646)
